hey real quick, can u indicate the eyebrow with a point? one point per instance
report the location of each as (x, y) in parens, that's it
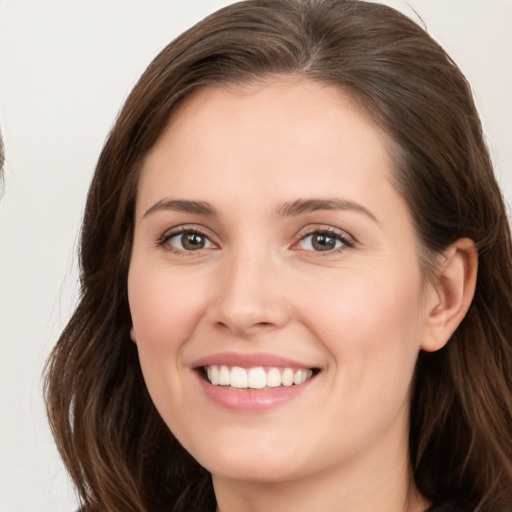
(301, 206)
(182, 205)
(289, 209)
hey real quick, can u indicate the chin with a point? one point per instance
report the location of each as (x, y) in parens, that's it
(247, 471)
(249, 463)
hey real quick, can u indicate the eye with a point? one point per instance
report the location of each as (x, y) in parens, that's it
(186, 240)
(323, 241)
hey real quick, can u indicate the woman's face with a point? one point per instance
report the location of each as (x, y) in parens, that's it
(271, 247)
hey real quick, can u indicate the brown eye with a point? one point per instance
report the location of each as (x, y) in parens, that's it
(188, 241)
(193, 241)
(323, 241)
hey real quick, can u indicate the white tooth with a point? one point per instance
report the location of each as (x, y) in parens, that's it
(257, 378)
(214, 375)
(209, 373)
(238, 377)
(287, 377)
(309, 374)
(224, 376)
(273, 378)
(304, 376)
(297, 377)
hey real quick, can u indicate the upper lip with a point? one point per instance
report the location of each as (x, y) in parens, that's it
(249, 360)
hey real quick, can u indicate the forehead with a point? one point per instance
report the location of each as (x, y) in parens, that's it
(266, 129)
(283, 95)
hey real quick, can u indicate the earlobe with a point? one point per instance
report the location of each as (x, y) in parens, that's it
(132, 334)
(451, 293)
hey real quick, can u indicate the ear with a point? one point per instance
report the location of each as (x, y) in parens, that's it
(132, 335)
(450, 294)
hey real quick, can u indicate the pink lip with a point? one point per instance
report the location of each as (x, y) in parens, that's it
(251, 400)
(249, 360)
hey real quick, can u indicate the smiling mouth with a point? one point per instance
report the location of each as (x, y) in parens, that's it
(257, 377)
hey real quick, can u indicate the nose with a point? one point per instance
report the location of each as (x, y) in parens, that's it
(250, 296)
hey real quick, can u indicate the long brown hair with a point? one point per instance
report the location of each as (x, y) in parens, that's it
(119, 452)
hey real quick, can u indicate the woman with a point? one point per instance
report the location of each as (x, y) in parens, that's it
(280, 307)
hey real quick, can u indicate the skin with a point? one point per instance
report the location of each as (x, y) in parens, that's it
(359, 313)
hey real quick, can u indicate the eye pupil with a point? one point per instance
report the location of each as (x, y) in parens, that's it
(323, 242)
(192, 241)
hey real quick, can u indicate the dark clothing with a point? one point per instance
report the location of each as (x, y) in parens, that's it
(444, 508)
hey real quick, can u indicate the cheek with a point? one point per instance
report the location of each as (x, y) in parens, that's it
(163, 308)
(163, 317)
(371, 323)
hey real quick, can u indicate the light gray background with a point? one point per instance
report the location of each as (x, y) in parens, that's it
(65, 68)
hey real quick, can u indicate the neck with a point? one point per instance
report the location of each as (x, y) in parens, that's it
(378, 481)
(305, 497)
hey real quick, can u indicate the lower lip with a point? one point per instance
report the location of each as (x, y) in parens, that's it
(252, 400)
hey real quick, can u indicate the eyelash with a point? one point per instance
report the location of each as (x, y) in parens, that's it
(346, 240)
(163, 241)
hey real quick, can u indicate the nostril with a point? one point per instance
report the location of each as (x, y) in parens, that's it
(244, 327)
